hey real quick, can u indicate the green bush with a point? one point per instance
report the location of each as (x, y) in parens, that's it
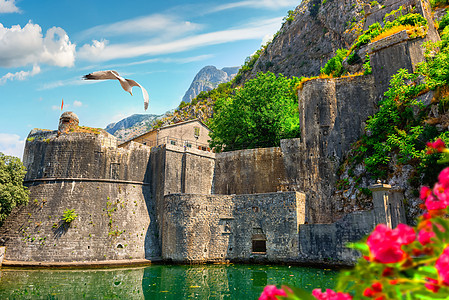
(260, 114)
(443, 22)
(12, 191)
(438, 3)
(334, 65)
(367, 66)
(182, 105)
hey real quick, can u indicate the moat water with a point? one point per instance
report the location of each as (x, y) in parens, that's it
(160, 282)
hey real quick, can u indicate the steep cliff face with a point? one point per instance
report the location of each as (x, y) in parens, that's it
(129, 122)
(303, 45)
(207, 79)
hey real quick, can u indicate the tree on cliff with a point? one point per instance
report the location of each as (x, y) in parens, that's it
(12, 191)
(260, 114)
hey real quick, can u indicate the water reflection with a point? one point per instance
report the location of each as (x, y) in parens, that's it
(159, 282)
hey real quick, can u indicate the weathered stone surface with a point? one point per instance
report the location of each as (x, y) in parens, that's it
(332, 115)
(326, 243)
(250, 171)
(104, 185)
(200, 228)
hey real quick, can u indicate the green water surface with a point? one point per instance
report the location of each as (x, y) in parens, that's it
(159, 282)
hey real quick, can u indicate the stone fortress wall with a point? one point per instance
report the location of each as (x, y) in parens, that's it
(188, 205)
(200, 228)
(105, 186)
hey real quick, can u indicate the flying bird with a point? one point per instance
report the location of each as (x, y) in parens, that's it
(127, 84)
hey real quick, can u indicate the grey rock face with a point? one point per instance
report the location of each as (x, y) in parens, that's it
(305, 44)
(207, 79)
(129, 122)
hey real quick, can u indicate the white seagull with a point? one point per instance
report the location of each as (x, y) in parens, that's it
(127, 84)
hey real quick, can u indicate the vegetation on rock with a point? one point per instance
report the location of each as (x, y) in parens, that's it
(411, 22)
(402, 125)
(69, 216)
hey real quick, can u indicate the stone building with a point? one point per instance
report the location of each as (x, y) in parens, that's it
(191, 134)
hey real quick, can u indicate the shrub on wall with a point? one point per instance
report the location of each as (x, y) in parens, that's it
(69, 216)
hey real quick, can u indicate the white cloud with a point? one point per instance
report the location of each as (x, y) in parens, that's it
(21, 75)
(11, 144)
(183, 60)
(77, 103)
(8, 6)
(268, 38)
(58, 50)
(266, 4)
(100, 51)
(23, 46)
(166, 26)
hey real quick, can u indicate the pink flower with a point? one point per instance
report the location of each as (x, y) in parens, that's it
(433, 203)
(425, 235)
(441, 192)
(442, 265)
(405, 234)
(435, 147)
(270, 292)
(443, 178)
(385, 243)
(424, 192)
(432, 285)
(330, 295)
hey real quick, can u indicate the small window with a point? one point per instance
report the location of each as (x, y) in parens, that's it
(172, 142)
(189, 145)
(259, 246)
(144, 143)
(196, 131)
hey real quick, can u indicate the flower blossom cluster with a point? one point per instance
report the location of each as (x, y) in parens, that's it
(385, 244)
(330, 295)
(270, 292)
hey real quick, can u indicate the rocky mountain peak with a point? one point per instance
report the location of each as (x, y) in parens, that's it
(207, 79)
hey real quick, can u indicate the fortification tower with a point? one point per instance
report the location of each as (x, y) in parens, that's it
(81, 169)
(68, 121)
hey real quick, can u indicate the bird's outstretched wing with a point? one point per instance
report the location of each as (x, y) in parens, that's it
(102, 75)
(126, 84)
(146, 98)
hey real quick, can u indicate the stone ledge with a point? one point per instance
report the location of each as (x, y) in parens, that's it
(388, 41)
(79, 264)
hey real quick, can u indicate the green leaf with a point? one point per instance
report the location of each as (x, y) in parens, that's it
(363, 247)
(298, 294)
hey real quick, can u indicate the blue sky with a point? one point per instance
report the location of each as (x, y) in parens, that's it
(47, 46)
